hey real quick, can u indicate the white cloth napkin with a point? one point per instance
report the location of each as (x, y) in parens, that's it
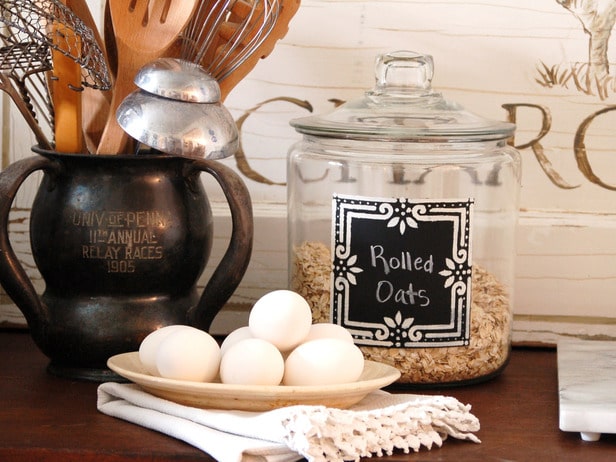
(377, 425)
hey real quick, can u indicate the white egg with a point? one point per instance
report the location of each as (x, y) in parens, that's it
(149, 346)
(281, 317)
(233, 337)
(188, 354)
(252, 361)
(328, 330)
(325, 361)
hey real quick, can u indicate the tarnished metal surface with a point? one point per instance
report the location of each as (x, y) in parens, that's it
(120, 243)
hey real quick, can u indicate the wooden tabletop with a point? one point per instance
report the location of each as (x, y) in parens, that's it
(44, 418)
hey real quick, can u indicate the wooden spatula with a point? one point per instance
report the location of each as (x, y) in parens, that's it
(94, 102)
(66, 93)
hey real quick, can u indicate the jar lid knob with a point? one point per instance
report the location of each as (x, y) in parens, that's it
(403, 106)
(403, 72)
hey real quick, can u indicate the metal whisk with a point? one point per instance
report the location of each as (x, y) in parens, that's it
(26, 42)
(34, 21)
(223, 34)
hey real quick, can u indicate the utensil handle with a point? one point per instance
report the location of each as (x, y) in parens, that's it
(229, 272)
(66, 95)
(13, 277)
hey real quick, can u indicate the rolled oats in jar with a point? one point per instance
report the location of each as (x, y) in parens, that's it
(402, 216)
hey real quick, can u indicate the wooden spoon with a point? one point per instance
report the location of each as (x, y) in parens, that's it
(144, 30)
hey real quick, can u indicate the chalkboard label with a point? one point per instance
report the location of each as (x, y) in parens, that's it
(402, 270)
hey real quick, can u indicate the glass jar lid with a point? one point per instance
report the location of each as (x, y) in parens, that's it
(403, 107)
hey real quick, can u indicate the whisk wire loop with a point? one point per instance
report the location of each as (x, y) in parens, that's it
(225, 33)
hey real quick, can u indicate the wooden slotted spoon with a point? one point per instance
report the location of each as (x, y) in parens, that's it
(144, 30)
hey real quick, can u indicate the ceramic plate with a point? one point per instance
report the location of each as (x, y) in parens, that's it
(216, 395)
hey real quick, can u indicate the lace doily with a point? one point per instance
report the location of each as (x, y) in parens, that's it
(332, 435)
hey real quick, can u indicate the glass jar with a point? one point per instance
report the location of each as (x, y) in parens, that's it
(402, 214)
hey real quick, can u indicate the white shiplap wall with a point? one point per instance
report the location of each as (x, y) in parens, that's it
(487, 54)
